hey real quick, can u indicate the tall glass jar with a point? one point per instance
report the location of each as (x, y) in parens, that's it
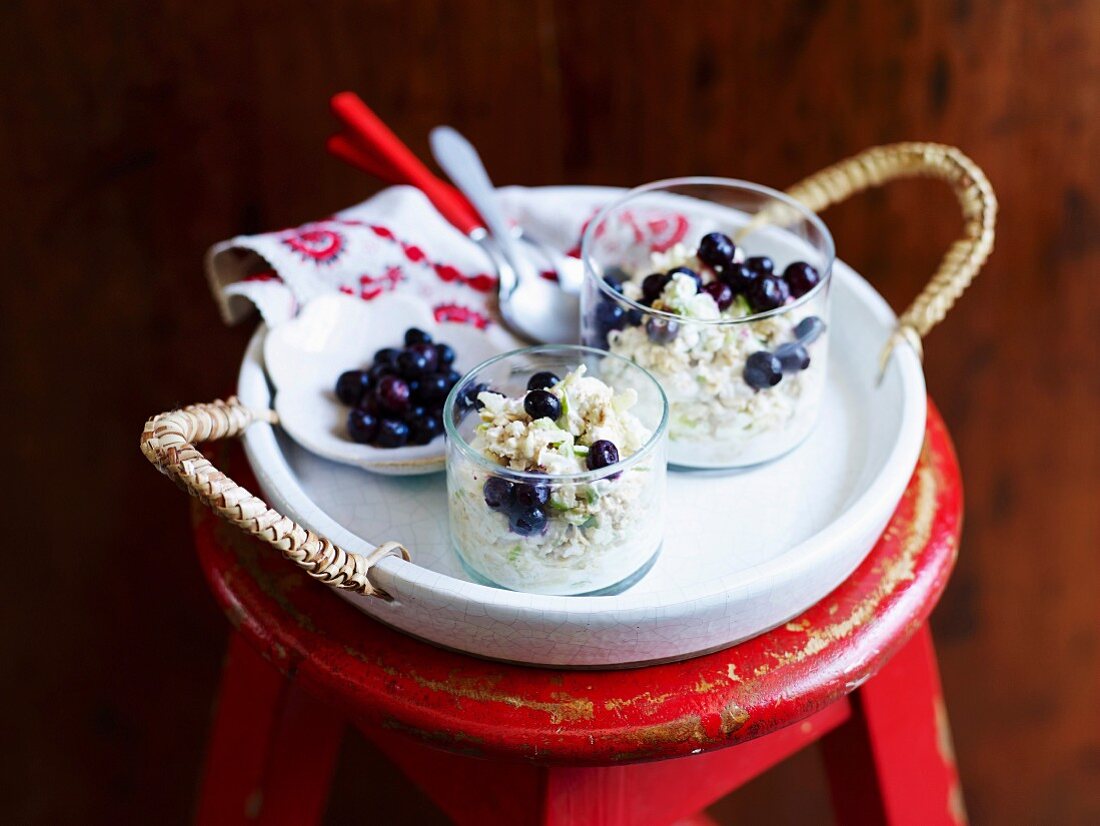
(579, 532)
(720, 289)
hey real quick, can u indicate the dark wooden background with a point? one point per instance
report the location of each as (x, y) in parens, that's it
(135, 134)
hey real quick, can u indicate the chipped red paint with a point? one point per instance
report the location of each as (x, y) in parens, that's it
(554, 717)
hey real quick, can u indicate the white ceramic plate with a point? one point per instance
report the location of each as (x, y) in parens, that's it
(743, 552)
(334, 333)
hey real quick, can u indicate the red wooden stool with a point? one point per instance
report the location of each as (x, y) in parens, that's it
(493, 743)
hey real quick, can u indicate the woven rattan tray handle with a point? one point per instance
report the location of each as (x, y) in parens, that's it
(168, 441)
(964, 258)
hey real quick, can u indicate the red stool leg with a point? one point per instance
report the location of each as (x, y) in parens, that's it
(474, 791)
(893, 761)
(272, 749)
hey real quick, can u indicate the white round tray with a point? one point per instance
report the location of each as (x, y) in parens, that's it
(743, 552)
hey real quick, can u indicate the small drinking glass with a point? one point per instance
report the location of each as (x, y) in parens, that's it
(744, 382)
(590, 532)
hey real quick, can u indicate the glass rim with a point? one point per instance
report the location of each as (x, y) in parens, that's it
(588, 239)
(456, 438)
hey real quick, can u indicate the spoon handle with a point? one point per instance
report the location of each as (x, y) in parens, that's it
(381, 148)
(460, 161)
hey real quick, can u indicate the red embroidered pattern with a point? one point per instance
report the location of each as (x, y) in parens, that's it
(660, 232)
(463, 315)
(373, 286)
(315, 243)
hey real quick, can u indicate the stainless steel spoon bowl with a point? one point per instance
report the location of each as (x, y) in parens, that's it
(534, 308)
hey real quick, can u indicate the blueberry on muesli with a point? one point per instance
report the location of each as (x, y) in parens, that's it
(760, 264)
(542, 380)
(499, 494)
(721, 293)
(768, 293)
(739, 278)
(809, 329)
(716, 249)
(661, 330)
(792, 357)
(801, 278)
(653, 285)
(690, 273)
(542, 404)
(763, 370)
(554, 530)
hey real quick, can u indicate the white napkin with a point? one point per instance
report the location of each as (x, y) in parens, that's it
(393, 241)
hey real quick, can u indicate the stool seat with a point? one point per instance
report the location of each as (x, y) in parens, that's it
(385, 679)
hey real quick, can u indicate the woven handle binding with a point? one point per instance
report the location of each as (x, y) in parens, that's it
(168, 441)
(964, 258)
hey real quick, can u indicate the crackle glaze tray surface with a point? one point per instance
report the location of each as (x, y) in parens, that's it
(743, 552)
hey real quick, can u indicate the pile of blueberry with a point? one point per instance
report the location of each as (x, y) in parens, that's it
(398, 399)
(755, 278)
(525, 503)
(764, 369)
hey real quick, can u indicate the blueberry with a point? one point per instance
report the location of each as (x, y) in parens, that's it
(760, 264)
(690, 273)
(767, 293)
(381, 369)
(614, 278)
(393, 394)
(414, 389)
(387, 355)
(792, 356)
(739, 278)
(414, 335)
(542, 381)
(352, 386)
(808, 329)
(601, 453)
(429, 352)
(633, 318)
(610, 316)
(652, 287)
(801, 278)
(415, 412)
(444, 356)
(662, 331)
(453, 378)
(410, 364)
(762, 370)
(370, 404)
(542, 404)
(716, 249)
(616, 274)
(417, 360)
(527, 521)
(467, 395)
(532, 495)
(425, 428)
(500, 494)
(392, 433)
(720, 292)
(362, 426)
(433, 389)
